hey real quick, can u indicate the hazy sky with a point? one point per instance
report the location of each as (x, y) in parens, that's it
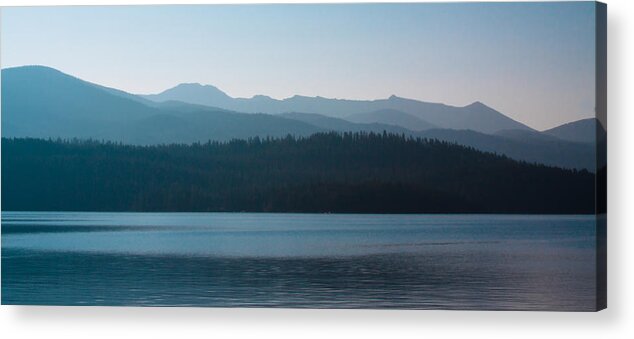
(532, 61)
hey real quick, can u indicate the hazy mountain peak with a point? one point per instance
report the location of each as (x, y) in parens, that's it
(584, 130)
(477, 104)
(190, 85)
(297, 96)
(195, 86)
(38, 72)
(193, 93)
(33, 67)
(37, 99)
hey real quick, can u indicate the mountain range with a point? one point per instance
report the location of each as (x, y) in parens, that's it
(393, 110)
(42, 102)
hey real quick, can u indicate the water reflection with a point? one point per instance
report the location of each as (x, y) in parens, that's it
(429, 262)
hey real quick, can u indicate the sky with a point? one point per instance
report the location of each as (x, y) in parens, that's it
(534, 62)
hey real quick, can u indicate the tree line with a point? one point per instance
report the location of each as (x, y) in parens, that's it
(326, 172)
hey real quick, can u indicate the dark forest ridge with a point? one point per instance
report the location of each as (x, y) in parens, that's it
(42, 102)
(326, 172)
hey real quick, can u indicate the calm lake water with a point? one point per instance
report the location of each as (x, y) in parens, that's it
(495, 262)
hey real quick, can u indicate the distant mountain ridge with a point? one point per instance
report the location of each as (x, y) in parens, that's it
(476, 116)
(586, 130)
(42, 102)
(190, 92)
(392, 117)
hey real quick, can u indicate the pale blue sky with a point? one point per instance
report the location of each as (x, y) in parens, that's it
(532, 61)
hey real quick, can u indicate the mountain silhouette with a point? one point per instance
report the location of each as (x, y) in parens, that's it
(37, 100)
(42, 102)
(476, 116)
(585, 130)
(534, 149)
(392, 117)
(193, 93)
(529, 146)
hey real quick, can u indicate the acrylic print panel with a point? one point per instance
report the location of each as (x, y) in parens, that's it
(416, 156)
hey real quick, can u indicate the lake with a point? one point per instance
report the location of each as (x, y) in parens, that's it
(492, 262)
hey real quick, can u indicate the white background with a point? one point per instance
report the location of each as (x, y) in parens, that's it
(615, 322)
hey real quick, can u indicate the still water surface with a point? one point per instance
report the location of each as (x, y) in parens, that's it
(506, 262)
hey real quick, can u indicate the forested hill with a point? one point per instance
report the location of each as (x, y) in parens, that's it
(358, 173)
